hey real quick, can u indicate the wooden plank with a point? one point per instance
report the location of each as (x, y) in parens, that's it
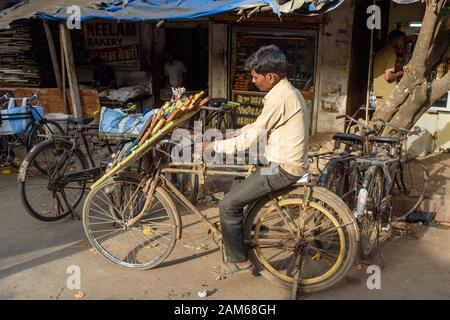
(54, 57)
(71, 71)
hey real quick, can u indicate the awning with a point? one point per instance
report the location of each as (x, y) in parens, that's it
(147, 10)
(144, 10)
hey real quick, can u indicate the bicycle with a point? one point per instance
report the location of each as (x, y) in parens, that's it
(341, 174)
(386, 170)
(36, 129)
(302, 237)
(219, 114)
(54, 175)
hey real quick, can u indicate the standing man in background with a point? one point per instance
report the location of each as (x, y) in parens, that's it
(174, 72)
(385, 77)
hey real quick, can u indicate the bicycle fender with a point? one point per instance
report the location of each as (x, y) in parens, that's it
(26, 162)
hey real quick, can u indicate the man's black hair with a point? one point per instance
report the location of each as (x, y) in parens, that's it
(268, 59)
(394, 34)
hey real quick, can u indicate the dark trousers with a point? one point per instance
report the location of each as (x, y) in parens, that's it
(240, 195)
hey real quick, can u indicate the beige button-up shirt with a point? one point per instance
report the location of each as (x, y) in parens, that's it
(285, 119)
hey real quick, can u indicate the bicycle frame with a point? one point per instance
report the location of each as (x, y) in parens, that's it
(201, 170)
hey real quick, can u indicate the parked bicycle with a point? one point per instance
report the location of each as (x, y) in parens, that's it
(22, 126)
(219, 114)
(346, 174)
(390, 175)
(55, 174)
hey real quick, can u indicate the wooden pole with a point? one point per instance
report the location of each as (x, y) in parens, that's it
(55, 62)
(63, 74)
(71, 71)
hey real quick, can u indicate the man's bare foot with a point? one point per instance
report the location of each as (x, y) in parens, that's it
(244, 265)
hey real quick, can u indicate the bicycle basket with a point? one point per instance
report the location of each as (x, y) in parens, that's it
(14, 119)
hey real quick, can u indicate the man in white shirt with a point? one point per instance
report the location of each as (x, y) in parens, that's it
(174, 72)
(285, 119)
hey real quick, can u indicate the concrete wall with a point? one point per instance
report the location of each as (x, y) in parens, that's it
(218, 60)
(334, 53)
(438, 124)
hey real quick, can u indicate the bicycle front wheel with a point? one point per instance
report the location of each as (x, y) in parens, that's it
(318, 240)
(143, 245)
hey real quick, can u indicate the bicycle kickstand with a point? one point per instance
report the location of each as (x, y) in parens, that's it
(298, 262)
(380, 254)
(73, 213)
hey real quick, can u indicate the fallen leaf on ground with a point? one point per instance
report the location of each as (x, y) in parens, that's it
(80, 295)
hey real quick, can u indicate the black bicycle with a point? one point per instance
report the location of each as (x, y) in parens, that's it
(393, 186)
(347, 173)
(15, 133)
(55, 174)
(219, 114)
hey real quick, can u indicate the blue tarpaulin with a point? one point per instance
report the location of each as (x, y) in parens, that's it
(144, 10)
(141, 10)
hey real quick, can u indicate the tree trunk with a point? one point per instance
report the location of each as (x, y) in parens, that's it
(414, 94)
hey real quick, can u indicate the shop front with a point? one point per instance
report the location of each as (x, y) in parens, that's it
(300, 47)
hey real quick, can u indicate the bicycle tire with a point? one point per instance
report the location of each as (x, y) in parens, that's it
(89, 214)
(27, 173)
(348, 239)
(410, 190)
(370, 222)
(333, 177)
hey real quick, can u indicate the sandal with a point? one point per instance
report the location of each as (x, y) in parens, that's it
(231, 268)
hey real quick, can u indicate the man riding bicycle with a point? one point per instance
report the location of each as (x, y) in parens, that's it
(285, 120)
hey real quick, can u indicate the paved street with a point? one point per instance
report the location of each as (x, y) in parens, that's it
(34, 257)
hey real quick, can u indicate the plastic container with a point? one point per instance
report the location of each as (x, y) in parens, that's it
(362, 197)
(60, 118)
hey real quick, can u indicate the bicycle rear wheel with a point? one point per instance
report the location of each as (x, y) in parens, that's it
(145, 244)
(43, 191)
(326, 246)
(410, 185)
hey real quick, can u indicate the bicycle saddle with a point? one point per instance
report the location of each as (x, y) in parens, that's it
(347, 138)
(80, 120)
(217, 102)
(391, 140)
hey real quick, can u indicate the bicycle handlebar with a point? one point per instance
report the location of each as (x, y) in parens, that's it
(416, 130)
(369, 130)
